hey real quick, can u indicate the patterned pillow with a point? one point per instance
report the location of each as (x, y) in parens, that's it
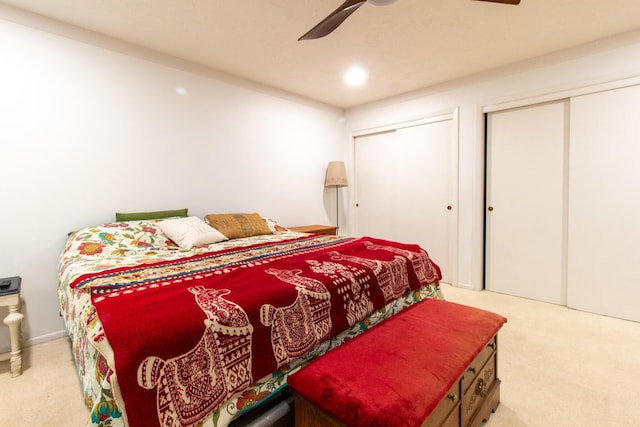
(238, 225)
(275, 227)
(120, 239)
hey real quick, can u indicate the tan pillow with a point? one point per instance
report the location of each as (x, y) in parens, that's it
(238, 225)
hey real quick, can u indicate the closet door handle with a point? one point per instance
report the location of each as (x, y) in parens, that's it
(490, 208)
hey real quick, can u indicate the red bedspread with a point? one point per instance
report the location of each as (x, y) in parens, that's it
(187, 334)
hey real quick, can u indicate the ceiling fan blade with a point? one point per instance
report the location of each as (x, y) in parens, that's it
(331, 22)
(514, 2)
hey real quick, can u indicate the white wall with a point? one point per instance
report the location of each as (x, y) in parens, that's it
(90, 126)
(553, 76)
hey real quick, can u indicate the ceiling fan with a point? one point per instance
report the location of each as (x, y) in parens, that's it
(337, 17)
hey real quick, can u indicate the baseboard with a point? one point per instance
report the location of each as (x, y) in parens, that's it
(466, 286)
(36, 340)
(45, 338)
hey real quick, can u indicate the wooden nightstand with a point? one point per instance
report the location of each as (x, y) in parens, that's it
(10, 297)
(316, 229)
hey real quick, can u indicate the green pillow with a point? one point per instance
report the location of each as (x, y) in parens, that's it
(132, 216)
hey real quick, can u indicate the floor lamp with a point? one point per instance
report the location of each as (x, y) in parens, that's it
(336, 177)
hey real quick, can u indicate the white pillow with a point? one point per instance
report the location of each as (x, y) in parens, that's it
(190, 231)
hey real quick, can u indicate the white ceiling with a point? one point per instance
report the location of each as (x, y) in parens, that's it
(409, 45)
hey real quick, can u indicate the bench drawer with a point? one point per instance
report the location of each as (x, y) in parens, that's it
(473, 370)
(474, 398)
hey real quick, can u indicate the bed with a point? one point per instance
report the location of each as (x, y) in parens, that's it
(168, 333)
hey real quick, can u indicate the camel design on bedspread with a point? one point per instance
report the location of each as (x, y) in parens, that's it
(391, 275)
(352, 284)
(420, 261)
(297, 328)
(193, 384)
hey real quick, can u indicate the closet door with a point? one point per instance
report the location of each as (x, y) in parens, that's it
(374, 187)
(405, 188)
(525, 237)
(604, 208)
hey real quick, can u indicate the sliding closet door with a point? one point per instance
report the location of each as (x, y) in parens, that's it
(525, 238)
(375, 170)
(405, 188)
(604, 208)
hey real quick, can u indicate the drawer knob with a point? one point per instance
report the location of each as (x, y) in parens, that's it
(452, 397)
(472, 370)
(483, 388)
(491, 345)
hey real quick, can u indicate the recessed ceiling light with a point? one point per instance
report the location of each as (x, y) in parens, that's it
(181, 91)
(381, 2)
(355, 76)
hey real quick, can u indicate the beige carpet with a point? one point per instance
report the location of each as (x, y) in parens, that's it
(559, 367)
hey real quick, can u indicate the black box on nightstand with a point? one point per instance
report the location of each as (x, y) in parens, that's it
(10, 285)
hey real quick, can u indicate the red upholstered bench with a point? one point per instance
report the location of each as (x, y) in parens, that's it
(433, 364)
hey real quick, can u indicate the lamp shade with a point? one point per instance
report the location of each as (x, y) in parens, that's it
(336, 175)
